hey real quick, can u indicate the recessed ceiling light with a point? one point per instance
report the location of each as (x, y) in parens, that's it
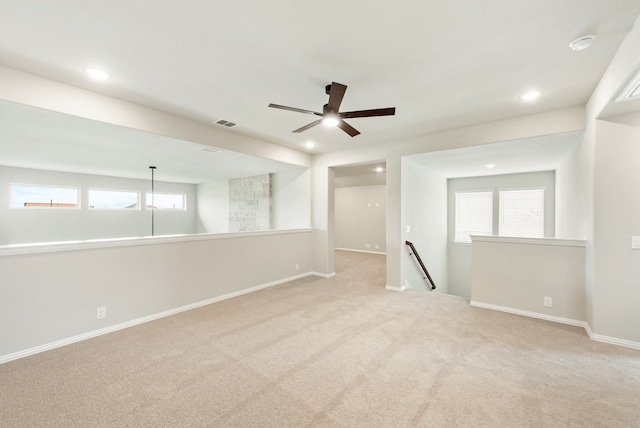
(309, 144)
(531, 95)
(581, 43)
(379, 169)
(97, 73)
(490, 165)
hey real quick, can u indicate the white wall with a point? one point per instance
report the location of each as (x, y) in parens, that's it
(460, 255)
(213, 207)
(291, 204)
(558, 121)
(290, 209)
(360, 218)
(19, 226)
(616, 218)
(52, 296)
(572, 190)
(516, 274)
(424, 211)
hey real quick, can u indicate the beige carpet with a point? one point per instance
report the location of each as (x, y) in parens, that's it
(339, 352)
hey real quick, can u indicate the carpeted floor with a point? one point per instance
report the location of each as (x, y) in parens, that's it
(338, 352)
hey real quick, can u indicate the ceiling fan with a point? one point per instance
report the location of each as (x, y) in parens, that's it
(331, 115)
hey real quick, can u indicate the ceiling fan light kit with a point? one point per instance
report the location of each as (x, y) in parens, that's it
(331, 115)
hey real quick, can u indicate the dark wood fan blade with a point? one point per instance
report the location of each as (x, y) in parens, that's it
(348, 128)
(368, 113)
(336, 93)
(311, 125)
(299, 110)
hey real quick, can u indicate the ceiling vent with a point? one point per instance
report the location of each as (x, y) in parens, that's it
(631, 91)
(226, 123)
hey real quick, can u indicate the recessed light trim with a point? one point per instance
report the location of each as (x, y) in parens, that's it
(309, 144)
(96, 73)
(582, 43)
(379, 169)
(210, 150)
(531, 95)
(490, 165)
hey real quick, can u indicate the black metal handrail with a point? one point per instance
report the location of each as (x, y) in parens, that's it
(414, 252)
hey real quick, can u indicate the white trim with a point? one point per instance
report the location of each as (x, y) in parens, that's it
(127, 324)
(534, 241)
(49, 247)
(583, 324)
(394, 288)
(611, 340)
(360, 251)
(528, 314)
(323, 275)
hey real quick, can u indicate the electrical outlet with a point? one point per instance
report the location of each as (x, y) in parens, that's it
(297, 266)
(367, 245)
(548, 302)
(635, 242)
(101, 312)
(408, 229)
(377, 246)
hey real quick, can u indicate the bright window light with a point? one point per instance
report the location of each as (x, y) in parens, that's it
(167, 201)
(29, 196)
(113, 199)
(474, 215)
(522, 213)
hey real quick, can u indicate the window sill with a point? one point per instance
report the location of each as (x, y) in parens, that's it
(533, 241)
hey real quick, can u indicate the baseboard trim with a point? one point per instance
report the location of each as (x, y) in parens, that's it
(528, 313)
(323, 275)
(611, 340)
(91, 334)
(361, 251)
(393, 288)
(577, 323)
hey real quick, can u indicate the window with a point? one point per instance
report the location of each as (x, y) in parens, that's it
(474, 215)
(166, 201)
(521, 213)
(113, 199)
(29, 196)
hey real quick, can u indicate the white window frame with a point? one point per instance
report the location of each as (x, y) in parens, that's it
(137, 193)
(149, 207)
(78, 204)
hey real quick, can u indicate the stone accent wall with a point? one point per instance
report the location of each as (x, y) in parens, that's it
(250, 203)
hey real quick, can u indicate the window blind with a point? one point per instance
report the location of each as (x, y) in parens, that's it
(474, 215)
(521, 213)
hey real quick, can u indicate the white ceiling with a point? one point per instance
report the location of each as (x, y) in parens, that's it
(61, 142)
(441, 64)
(544, 153)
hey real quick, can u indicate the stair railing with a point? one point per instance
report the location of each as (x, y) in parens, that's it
(414, 252)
